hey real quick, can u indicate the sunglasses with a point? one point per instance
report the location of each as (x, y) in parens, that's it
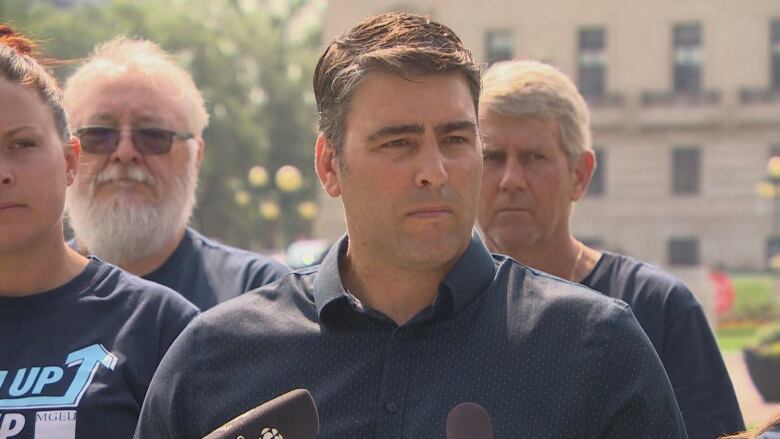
(147, 141)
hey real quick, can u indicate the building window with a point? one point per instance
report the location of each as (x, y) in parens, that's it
(499, 46)
(774, 150)
(686, 170)
(597, 181)
(772, 250)
(683, 251)
(774, 47)
(687, 58)
(592, 62)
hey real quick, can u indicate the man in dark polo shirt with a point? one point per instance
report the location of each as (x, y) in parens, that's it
(409, 315)
(538, 161)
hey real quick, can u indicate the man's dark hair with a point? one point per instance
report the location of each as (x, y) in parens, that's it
(403, 44)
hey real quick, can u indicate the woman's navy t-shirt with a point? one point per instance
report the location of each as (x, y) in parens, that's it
(76, 361)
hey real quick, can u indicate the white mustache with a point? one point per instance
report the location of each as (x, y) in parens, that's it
(117, 172)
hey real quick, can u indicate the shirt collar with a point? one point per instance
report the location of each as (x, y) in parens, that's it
(327, 282)
(470, 276)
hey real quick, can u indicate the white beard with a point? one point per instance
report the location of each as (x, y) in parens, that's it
(122, 232)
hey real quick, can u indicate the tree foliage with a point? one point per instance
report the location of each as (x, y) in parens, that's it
(252, 59)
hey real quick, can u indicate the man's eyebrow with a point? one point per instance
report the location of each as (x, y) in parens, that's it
(392, 130)
(150, 118)
(447, 127)
(10, 133)
(102, 117)
(144, 119)
(455, 126)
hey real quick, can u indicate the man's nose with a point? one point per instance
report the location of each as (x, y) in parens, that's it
(125, 151)
(513, 176)
(431, 169)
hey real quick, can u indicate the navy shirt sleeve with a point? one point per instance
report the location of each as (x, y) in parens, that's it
(699, 376)
(674, 321)
(634, 393)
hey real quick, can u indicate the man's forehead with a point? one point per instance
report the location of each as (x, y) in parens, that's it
(134, 83)
(500, 123)
(137, 116)
(141, 99)
(499, 131)
(396, 100)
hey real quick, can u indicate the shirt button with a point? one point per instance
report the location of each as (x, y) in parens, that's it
(391, 407)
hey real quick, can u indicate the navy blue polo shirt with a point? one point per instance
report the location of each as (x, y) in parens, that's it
(544, 357)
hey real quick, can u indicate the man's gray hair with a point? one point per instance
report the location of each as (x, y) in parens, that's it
(531, 88)
(123, 55)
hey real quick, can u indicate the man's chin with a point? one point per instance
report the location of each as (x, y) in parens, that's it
(507, 240)
(435, 250)
(122, 242)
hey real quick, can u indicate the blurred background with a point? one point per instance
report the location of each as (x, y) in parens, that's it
(685, 105)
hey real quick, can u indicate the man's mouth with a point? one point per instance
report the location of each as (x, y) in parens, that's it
(8, 206)
(434, 211)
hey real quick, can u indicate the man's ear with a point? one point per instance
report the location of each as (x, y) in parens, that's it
(72, 152)
(199, 153)
(327, 168)
(582, 173)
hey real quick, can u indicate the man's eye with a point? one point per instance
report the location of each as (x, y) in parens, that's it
(536, 156)
(396, 142)
(154, 133)
(490, 156)
(456, 139)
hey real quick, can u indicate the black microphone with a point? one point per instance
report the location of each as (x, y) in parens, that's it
(289, 416)
(468, 420)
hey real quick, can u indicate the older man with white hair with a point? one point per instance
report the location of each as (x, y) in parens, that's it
(140, 120)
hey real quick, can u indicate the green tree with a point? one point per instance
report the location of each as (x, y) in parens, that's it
(252, 59)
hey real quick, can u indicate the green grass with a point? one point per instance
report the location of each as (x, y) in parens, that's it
(754, 305)
(736, 337)
(753, 299)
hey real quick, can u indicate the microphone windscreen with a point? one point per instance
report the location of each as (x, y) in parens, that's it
(289, 416)
(469, 421)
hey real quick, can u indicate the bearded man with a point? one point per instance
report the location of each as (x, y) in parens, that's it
(140, 119)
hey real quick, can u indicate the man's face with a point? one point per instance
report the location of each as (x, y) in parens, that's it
(411, 170)
(124, 204)
(527, 187)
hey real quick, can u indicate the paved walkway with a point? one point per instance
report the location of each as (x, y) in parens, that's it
(754, 409)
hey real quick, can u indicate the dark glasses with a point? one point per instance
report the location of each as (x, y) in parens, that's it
(147, 141)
